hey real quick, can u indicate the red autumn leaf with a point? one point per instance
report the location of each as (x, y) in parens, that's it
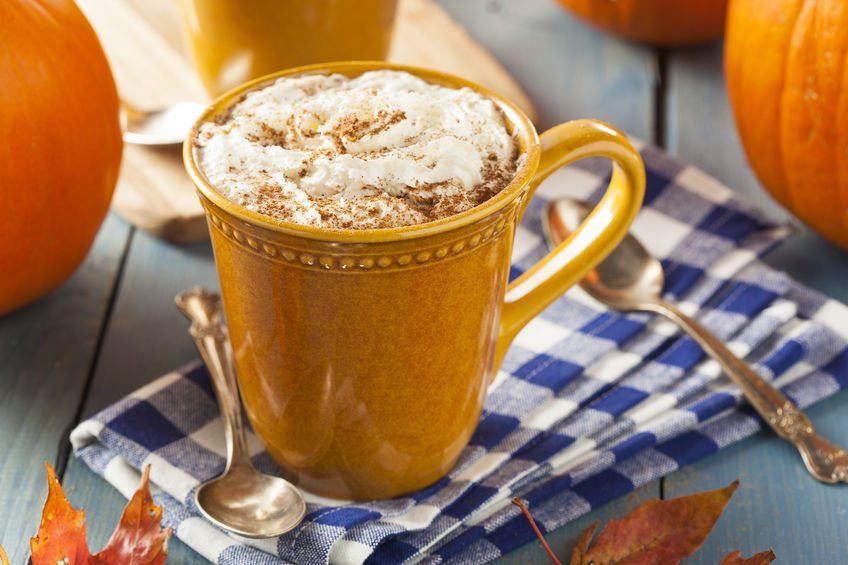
(659, 531)
(138, 540)
(762, 558)
(61, 535)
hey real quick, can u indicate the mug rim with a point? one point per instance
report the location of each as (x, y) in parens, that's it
(517, 118)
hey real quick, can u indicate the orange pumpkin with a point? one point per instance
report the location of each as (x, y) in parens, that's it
(662, 23)
(787, 76)
(60, 145)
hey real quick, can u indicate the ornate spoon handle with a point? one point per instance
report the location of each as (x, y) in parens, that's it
(203, 308)
(825, 461)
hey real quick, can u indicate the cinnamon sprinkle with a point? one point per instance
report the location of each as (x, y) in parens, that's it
(317, 137)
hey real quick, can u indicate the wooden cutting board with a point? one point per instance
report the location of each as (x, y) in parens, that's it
(142, 39)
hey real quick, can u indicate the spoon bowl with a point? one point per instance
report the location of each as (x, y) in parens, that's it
(627, 279)
(163, 127)
(251, 504)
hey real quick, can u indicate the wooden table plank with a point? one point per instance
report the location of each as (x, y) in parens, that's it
(568, 69)
(146, 338)
(46, 350)
(778, 505)
(700, 126)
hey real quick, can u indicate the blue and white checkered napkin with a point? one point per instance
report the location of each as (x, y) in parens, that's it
(589, 404)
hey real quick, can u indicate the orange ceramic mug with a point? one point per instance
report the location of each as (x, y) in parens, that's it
(233, 41)
(363, 356)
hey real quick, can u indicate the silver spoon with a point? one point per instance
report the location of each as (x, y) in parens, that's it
(166, 126)
(242, 500)
(630, 279)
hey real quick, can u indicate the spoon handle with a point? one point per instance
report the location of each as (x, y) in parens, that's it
(210, 336)
(825, 461)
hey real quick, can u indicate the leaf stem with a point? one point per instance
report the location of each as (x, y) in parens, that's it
(520, 503)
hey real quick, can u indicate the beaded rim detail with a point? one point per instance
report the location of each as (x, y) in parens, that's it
(352, 262)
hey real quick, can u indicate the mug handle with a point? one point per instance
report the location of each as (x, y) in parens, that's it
(596, 237)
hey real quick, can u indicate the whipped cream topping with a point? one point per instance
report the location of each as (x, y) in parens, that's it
(384, 149)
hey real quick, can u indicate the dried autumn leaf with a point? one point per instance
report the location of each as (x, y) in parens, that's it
(659, 531)
(61, 535)
(139, 538)
(762, 558)
(579, 554)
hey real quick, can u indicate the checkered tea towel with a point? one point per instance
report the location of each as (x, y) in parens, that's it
(588, 406)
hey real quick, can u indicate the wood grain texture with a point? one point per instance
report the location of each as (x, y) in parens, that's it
(149, 70)
(568, 69)
(153, 192)
(814, 262)
(143, 41)
(700, 124)
(146, 337)
(426, 36)
(778, 504)
(418, 22)
(46, 351)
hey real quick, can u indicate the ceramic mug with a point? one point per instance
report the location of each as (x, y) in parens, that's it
(363, 356)
(233, 41)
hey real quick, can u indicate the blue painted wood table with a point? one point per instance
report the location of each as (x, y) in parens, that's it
(113, 326)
